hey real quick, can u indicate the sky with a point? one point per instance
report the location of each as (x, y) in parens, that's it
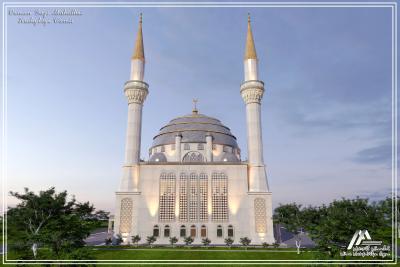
(326, 111)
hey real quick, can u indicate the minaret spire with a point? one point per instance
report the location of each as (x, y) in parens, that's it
(137, 60)
(250, 52)
(138, 53)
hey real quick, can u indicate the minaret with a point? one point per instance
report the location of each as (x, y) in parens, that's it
(136, 91)
(252, 91)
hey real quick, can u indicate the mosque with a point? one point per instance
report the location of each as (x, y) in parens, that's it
(194, 182)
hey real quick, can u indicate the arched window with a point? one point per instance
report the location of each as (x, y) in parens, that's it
(167, 197)
(203, 197)
(203, 231)
(200, 146)
(230, 231)
(183, 231)
(219, 196)
(167, 231)
(193, 157)
(156, 231)
(193, 231)
(162, 148)
(183, 197)
(219, 231)
(186, 147)
(193, 197)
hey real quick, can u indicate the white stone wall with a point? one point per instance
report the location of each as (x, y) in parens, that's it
(240, 204)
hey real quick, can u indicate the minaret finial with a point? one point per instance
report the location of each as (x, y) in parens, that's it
(250, 52)
(195, 111)
(138, 53)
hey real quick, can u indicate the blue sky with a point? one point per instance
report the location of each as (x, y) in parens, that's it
(326, 110)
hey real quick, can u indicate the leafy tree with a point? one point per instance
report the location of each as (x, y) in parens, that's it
(48, 219)
(265, 244)
(150, 240)
(290, 216)
(188, 240)
(206, 242)
(245, 241)
(229, 242)
(332, 226)
(173, 240)
(136, 239)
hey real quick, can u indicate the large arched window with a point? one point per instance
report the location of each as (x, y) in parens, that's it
(203, 197)
(156, 231)
(230, 231)
(193, 197)
(183, 231)
(167, 231)
(219, 231)
(219, 196)
(167, 197)
(203, 231)
(183, 197)
(193, 231)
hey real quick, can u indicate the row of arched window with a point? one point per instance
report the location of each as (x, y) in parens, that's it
(200, 146)
(193, 197)
(192, 231)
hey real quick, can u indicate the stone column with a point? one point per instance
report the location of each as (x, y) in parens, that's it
(178, 139)
(209, 149)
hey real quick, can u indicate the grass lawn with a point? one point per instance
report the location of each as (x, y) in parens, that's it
(200, 253)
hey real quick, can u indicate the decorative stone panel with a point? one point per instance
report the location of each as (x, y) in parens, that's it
(126, 215)
(260, 215)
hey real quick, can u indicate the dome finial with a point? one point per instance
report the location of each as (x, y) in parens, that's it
(195, 111)
(250, 52)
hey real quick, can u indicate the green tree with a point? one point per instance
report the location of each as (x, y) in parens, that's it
(229, 242)
(206, 241)
(245, 241)
(48, 219)
(290, 216)
(150, 240)
(188, 240)
(136, 239)
(333, 226)
(173, 240)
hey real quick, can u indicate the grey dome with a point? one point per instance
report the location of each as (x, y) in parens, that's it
(194, 128)
(158, 157)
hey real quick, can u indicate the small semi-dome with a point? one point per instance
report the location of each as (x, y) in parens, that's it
(227, 157)
(193, 128)
(158, 157)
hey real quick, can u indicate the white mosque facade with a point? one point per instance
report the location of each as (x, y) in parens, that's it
(195, 182)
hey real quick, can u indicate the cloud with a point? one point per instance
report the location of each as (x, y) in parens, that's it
(381, 154)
